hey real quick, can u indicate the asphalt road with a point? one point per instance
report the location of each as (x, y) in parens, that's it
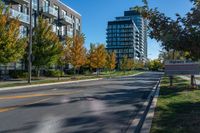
(104, 106)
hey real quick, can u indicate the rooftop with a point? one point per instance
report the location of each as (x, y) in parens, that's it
(69, 7)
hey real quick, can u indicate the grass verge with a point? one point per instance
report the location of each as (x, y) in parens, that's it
(68, 78)
(178, 108)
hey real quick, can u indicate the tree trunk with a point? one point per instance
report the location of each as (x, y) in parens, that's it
(192, 81)
(38, 72)
(78, 71)
(74, 73)
(173, 54)
(97, 72)
(110, 73)
(171, 80)
(5, 72)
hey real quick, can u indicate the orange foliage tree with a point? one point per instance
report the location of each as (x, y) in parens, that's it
(76, 51)
(97, 57)
(111, 61)
(12, 46)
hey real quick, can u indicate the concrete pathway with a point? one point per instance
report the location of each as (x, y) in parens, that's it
(188, 78)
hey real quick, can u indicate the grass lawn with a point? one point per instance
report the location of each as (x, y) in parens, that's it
(178, 108)
(68, 78)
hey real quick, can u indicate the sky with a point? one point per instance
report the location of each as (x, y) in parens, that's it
(96, 13)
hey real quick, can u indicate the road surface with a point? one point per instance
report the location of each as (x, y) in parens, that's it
(104, 106)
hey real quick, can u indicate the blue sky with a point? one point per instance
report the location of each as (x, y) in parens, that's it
(96, 14)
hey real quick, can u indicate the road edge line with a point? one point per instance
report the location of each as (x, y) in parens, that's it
(138, 122)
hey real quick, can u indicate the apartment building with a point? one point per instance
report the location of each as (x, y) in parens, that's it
(127, 35)
(65, 21)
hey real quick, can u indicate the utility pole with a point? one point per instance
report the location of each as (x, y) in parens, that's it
(30, 45)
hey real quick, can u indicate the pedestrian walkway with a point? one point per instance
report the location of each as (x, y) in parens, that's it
(189, 78)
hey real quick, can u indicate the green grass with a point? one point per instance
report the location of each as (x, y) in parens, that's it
(69, 78)
(118, 73)
(178, 108)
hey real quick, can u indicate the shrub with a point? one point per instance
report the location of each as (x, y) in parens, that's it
(18, 74)
(54, 73)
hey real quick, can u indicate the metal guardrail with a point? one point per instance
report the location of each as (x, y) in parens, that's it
(21, 16)
(50, 10)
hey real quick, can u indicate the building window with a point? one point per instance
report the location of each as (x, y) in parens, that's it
(22, 31)
(56, 9)
(26, 10)
(46, 5)
(20, 8)
(63, 13)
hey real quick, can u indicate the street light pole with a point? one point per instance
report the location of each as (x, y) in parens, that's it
(30, 45)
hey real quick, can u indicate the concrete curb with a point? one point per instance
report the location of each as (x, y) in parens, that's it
(47, 84)
(146, 127)
(138, 122)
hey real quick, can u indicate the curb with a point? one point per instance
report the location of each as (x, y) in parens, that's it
(136, 125)
(47, 84)
(58, 83)
(146, 127)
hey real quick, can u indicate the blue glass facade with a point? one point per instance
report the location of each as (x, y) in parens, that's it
(127, 36)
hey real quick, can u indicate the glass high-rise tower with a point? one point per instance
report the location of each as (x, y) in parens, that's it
(127, 35)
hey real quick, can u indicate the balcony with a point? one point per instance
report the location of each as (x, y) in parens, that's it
(49, 11)
(19, 15)
(70, 32)
(66, 20)
(22, 1)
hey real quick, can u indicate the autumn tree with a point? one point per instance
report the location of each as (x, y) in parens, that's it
(98, 57)
(46, 45)
(111, 61)
(65, 54)
(123, 63)
(130, 64)
(77, 51)
(91, 56)
(12, 46)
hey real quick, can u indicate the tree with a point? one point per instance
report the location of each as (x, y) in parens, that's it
(65, 54)
(46, 46)
(77, 52)
(155, 65)
(91, 56)
(12, 46)
(181, 34)
(111, 61)
(123, 63)
(130, 64)
(173, 55)
(98, 57)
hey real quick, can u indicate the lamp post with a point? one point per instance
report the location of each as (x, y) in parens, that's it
(30, 45)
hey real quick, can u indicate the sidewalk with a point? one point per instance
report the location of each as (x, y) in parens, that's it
(188, 78)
